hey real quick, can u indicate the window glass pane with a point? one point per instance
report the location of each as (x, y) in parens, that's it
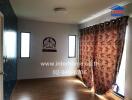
(25, 44)
(72, 44)
(10, 44)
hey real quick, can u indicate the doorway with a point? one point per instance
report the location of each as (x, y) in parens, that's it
(1, 56)
(8, 55)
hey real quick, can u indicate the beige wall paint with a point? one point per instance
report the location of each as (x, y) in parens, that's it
(30, 67)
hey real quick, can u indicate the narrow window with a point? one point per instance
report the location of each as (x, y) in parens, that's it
(25, 45)
(72, 46)
(120, 80)
(10, 44)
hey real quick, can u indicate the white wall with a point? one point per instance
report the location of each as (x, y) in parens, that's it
(29, 68)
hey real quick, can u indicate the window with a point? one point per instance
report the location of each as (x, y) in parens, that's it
(10, 44)
(25, 44)
(120, 80)
(72, 46)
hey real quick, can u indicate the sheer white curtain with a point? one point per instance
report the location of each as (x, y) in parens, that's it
(121, 75)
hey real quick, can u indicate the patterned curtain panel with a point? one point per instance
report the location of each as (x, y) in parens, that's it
(86, 56)
(107, 48)
(109, 45)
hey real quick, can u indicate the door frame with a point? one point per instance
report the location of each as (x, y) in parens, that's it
(1, 49)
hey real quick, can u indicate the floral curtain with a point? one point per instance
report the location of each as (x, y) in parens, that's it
(86, 55)
(107, 48)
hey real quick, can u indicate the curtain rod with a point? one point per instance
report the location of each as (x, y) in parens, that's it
(106, 22)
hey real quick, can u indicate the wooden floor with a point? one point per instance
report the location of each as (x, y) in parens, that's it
(52, 89)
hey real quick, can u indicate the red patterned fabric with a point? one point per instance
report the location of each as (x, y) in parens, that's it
(107, 41)
(86, 56)
(106, 52)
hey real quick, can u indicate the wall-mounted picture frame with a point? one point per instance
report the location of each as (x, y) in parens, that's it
(49, 44)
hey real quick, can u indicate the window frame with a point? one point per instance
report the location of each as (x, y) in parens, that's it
(29, 44)
(75, 46)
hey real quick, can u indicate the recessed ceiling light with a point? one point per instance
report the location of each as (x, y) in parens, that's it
(59, 9)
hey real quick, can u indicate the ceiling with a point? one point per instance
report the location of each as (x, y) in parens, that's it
(77, 10)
